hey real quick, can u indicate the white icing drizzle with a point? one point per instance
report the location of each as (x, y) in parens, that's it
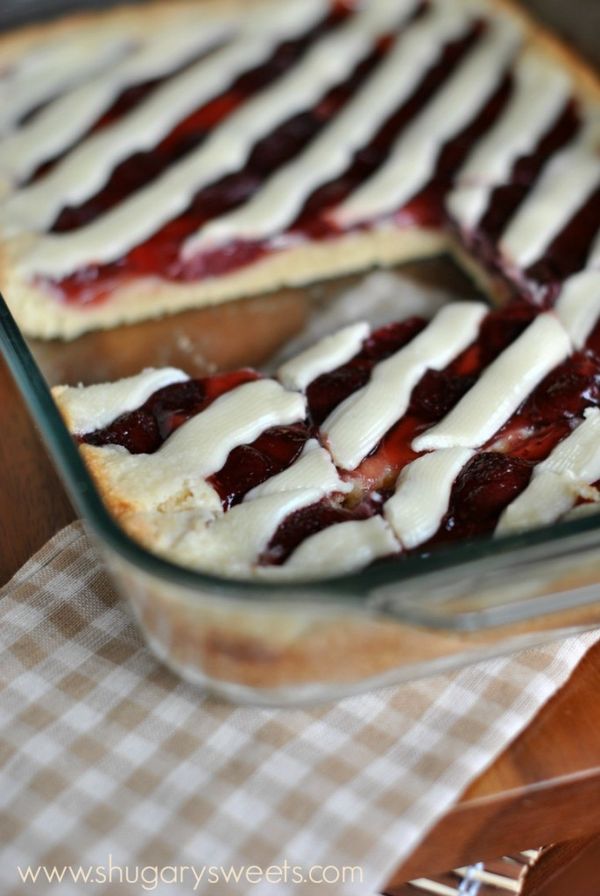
(323, 357)
(235, 418)
(341, 548)
(327, 63)
(84, 170)
(64, 120)
(567, 181)
(501, 389)
(279, 201)
(48, 70)
(422, 495)
(546, 500)
(89, 408)
(176, 473)
(355, 427)
(234, 541)
(313, 469)
(541, 91)
(457, 102)
(559, 481)
(578, 455)
(578, 306)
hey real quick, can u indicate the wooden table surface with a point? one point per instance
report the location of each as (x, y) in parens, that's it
(544, 789)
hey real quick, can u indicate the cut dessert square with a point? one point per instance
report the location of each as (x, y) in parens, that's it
(367, 445)
(186, 153)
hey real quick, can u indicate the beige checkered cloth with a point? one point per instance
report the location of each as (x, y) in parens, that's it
(108, 759)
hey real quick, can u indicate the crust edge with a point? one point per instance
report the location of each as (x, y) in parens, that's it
(150, 298)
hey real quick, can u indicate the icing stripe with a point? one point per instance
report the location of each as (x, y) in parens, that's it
(413, 159)
(341, 548)
(578, 307)
(89, 408)
(280, 200)
(313, 469)
(323, 357)
(501, 389)
(67, 118)
(559, 481)
(355, 427)
(565, 184)
(327, 63)
(541, 91)
(579, 455)
(548, 498)
(85, 170)
(234, 541)
(235, 418)
(48, 70)
(422, 495)
(176, 473)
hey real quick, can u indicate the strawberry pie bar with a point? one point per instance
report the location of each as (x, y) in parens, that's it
(179, 154)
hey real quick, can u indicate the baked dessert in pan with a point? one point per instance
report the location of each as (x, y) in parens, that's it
(367, 445)
(182, 154)
(170, 156)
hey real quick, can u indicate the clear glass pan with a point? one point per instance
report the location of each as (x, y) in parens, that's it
(274, 644)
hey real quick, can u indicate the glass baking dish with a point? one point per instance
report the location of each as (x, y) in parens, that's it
(274, 644)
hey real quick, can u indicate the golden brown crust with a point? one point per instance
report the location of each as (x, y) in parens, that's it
(57, 393)
(95, 460)
(117, 502)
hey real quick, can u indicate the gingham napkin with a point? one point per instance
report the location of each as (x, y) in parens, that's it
(115, 769)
